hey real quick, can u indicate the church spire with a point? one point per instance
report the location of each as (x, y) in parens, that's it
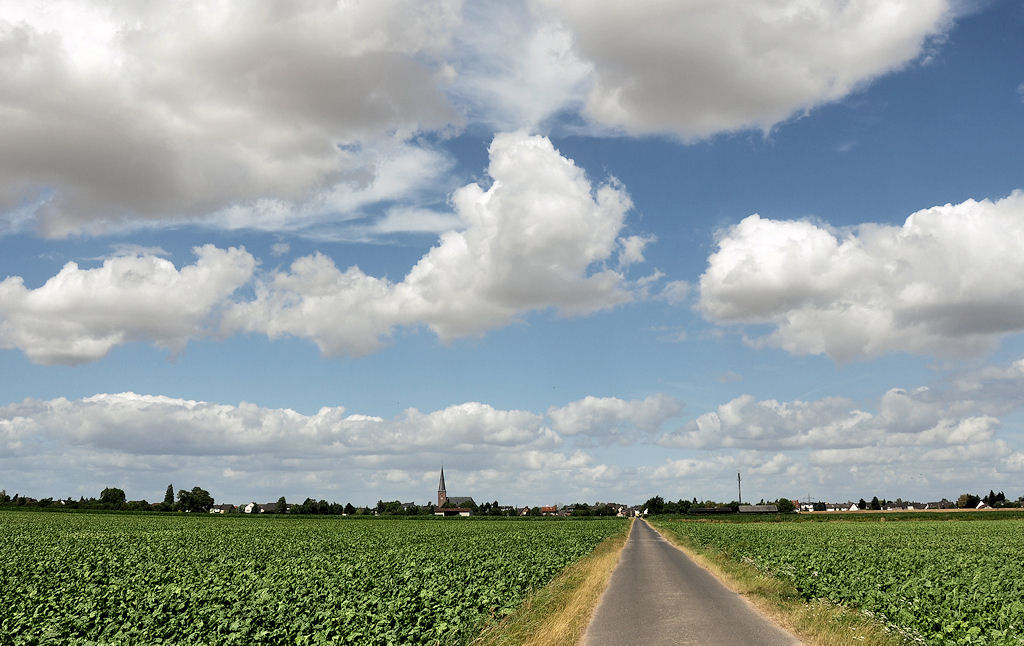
(442, 494)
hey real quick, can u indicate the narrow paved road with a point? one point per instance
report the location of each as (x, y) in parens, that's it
(657, 595)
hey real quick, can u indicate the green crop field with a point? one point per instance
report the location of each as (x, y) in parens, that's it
(940, 582)
(184, 579)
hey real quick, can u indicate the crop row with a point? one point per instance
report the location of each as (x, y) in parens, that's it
(85, 579)
(943, 582)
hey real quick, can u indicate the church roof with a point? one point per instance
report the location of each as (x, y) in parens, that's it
(440, 485)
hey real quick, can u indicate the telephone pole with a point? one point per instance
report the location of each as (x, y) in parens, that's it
(739, 487)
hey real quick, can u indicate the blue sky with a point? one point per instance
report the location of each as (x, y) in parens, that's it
(572, 251)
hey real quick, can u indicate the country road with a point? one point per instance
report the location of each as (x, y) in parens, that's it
(658, 596)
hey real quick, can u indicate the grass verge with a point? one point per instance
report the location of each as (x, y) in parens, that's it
(558, 613)
(819, 623)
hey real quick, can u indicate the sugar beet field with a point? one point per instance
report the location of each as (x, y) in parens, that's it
(954, 581)
(184, 579)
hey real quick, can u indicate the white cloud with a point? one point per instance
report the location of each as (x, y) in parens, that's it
(244, 450)
(904, 419)
(79, 314)
(876, 288)
(132, 111)
(699, 68)
(675, 292)
(537, 238)
(611, 417)
(516, 67)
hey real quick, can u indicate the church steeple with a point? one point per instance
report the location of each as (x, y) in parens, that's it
(442, 494)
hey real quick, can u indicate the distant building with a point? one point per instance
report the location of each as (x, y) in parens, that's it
(759, 509)
(451, 505)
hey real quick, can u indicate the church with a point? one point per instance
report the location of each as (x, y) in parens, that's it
(451, 505)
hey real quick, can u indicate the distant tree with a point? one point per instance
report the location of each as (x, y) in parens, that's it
(655, 505)
(349, 509)
(196, 500)
(862, 504)
(112, 497)
(875, 504)
(4, 498)
(819, 506)
(282, 506)
(138, 505)
(534, 511)
(967, 501)
(784, 505)
(582, 509)
(169, 496)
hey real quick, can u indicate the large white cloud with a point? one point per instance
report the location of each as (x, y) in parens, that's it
(696, 68)
(244, 450)
(539, 237)
(611, 417)
(114, 111)
(79, 314)
(875, 288)
(118, 114)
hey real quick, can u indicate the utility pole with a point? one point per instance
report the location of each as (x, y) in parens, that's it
(739, 487)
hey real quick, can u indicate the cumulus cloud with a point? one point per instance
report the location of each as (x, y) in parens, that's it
(700, 68)
(875, 288)
(244, 449)
(922, 417)
(537, 238)
(79, 314)
(115, 112)
(609, 417)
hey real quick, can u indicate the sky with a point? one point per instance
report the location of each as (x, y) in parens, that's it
(572, 251)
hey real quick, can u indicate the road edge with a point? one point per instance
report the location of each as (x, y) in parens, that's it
(558, 614)
(815, 623)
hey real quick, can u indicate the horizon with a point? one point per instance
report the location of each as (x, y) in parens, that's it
(308, 251)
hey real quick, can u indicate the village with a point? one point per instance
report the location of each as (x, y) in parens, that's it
(199, 500)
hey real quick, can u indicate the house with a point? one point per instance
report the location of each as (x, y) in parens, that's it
(549, 510)
(222, 509)
(452, 511)
(941, 504)
(759, 509)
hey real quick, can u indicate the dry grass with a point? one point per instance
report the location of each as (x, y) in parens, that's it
(558, 614)
(818, 623)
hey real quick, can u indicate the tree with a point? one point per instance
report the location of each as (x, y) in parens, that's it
(967, 501)
(655, 505)
(169, 496)
(349, 509)
(784, 505)
(197, 500)
(875, 504)
(113, 497)
(862, 504)
(282, 506)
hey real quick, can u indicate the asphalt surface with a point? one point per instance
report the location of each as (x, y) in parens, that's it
(657, 595)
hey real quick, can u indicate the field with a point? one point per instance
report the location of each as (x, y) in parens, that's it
(937, 581)
(184, 579)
